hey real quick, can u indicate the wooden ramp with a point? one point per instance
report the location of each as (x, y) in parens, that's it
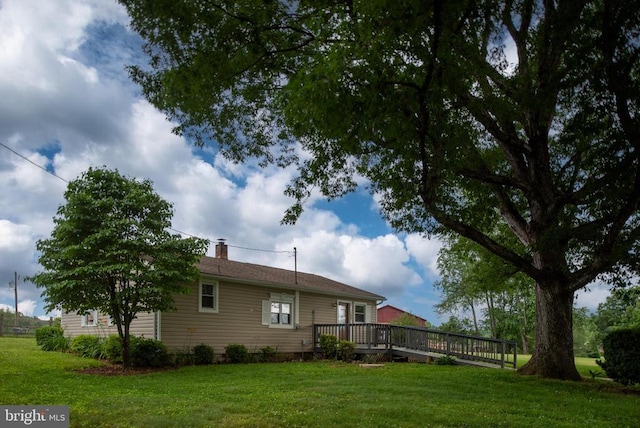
(422, 343)
(427, 356)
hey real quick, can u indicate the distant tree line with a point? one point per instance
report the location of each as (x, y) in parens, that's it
(25, 322)
(484, 296)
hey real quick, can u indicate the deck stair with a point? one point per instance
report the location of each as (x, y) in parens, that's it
(421, 343)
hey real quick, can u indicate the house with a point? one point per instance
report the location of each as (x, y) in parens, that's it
(387, 314)
(245, 303)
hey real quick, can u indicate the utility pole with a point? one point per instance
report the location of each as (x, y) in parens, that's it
(15, 273)
(15, 288)
(295, 264)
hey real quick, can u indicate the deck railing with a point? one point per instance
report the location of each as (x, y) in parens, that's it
(389, 337)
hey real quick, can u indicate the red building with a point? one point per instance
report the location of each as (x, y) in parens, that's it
(388, 313)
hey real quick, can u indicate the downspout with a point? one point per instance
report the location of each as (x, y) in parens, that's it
(296, 310)
(157, 326)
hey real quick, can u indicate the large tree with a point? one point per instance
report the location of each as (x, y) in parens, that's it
(461, 115)
(110, 251)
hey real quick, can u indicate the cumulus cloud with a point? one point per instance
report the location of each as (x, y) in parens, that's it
(46, 93)
(425, 251)
(25, 307)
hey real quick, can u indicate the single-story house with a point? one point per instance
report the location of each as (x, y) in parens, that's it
(244, 303)
(387, 314)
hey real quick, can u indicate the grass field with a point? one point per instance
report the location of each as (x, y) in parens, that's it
(586, 366)
(319, 394)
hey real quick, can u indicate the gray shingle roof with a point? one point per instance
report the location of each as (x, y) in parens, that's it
(249, 273)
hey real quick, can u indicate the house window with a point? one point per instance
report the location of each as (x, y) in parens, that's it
(360, 312)
(277, 312)
(209, 296)
(89, 319)
(94, 318)
(280, 313)
(106, 319)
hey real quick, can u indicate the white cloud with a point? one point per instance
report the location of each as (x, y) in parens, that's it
(425, 252)
(25, 307)
(592, 296)
(376, 264)
(14, 237)
(381, 259)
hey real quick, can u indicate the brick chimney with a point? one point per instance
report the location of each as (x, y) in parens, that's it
(221, 249)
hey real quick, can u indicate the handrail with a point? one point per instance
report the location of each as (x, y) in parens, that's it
(421, 339)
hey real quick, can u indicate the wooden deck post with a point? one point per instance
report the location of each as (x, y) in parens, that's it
(448, 339)
(315, 336)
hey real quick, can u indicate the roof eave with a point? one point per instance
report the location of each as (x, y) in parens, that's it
(293, 287)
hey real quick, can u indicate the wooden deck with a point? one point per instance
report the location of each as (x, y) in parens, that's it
(422, 344)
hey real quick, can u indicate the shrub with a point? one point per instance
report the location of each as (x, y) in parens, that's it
(328, 345)
(148, 353)
(268, 354)
(446, 360)
(236, 353)
(181, 359)
(44, 333)
(594, 354)
(202, 354)
(112, 349)
(86, 345)
(56, 343)
(622, 356)
(346, 350)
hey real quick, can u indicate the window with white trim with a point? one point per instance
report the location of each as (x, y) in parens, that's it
(208, 296)
(94, 318)
(109, 321)
(360, 312)
(281, 313)
(277, 312)
(89, 319)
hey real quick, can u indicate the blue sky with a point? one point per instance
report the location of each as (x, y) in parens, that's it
(66, 103)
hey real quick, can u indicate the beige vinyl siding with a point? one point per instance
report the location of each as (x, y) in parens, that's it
(239, 319)
(143, 325)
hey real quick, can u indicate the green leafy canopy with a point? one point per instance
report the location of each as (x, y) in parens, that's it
(110, 249)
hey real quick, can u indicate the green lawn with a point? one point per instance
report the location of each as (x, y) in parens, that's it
(323, 394)
(585, 365)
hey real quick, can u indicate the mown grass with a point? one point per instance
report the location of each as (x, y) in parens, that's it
(586, 366)
(319, 394)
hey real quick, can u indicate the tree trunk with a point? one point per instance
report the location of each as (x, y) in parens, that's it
(553, 352)
(525, 342)
(491, 313)
(521, 307)
(475, 320)
(126, 347)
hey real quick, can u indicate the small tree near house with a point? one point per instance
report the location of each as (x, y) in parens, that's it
(110, 251)
(408, 319)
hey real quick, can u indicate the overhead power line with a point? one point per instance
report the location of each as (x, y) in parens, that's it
(258, 249)
(170, 228)
(32, 163)
(236, 246)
